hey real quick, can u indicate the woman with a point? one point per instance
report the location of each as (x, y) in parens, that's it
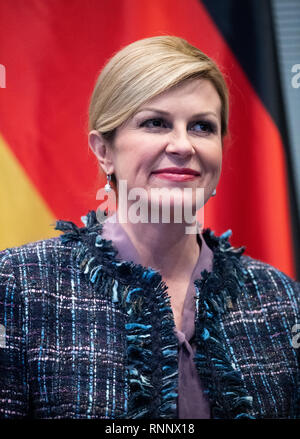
(142, 319)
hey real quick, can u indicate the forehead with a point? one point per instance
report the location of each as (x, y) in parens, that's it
(196, 94)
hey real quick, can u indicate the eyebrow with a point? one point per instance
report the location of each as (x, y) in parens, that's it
(166, 113)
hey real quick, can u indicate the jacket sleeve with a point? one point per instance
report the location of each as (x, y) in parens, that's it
(13, 382)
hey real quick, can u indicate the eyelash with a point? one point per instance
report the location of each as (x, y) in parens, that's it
(210, 127)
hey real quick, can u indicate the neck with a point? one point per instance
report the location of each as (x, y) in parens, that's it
(165, 247)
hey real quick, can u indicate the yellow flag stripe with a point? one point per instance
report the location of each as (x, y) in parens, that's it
(24, 214)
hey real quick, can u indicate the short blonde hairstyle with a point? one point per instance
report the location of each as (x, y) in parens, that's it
(144, 69)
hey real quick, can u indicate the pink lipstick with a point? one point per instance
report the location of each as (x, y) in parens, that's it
(176, 174)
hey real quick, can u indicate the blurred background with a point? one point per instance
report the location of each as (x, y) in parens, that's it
(51, 52)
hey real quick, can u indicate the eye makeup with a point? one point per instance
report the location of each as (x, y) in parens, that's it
(157, 123)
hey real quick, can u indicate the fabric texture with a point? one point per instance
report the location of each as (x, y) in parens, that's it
(191, 402)
(91, 336)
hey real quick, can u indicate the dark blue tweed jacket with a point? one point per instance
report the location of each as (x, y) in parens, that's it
(90, 336)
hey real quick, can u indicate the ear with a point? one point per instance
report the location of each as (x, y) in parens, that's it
(102, 151)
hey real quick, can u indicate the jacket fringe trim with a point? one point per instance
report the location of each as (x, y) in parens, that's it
(216, 293)
(152, 375)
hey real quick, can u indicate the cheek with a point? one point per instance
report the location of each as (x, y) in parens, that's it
(131, 163)
(138, 157)
(210, 158)
(219, 159)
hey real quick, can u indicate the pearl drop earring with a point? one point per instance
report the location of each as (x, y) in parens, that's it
(108, 187)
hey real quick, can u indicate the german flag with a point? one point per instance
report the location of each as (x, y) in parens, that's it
(51, 53)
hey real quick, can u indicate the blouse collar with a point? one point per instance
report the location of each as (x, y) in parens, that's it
(113, 230)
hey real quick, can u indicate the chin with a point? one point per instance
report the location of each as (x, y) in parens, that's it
(176, 208)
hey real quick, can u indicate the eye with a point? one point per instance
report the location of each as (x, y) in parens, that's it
(203, 127)
(154, 123)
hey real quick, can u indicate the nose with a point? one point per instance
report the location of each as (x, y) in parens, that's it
(180, 143)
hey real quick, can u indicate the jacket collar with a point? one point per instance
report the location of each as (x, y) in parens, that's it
(142, 294)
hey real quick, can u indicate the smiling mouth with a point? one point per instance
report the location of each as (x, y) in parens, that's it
(177, 171)
(172, 176)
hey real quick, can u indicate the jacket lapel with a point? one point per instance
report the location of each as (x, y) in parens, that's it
(216, 292)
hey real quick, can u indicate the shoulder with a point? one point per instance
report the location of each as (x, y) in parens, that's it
(259, 284)
(37, 263)
(255, 270)
(263, 272)
(47, 250)
(271, 288)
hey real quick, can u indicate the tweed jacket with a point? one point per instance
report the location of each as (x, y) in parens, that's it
(86, 335)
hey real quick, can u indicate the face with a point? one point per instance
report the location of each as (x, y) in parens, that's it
(180, 128)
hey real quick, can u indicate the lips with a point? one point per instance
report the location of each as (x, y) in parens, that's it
(185, 171)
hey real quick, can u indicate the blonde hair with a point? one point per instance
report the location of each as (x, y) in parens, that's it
(144, 69)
